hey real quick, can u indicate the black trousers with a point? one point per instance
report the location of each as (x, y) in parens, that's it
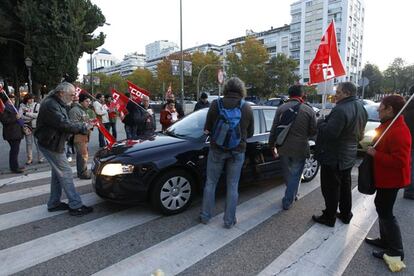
(336, 188)
(14, 154)
(384, 202)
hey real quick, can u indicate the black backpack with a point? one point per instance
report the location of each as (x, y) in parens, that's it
(285, 122)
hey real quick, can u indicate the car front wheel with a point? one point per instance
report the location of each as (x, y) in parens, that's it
(173, 192)
(311, 169)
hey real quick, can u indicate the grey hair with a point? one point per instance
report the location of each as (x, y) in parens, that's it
(234, 85)
(348, 88)
(62, 87)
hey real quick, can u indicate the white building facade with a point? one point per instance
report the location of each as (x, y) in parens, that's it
(310, 18)
(160, 48)
(276, 40)
(101, 59)
(129, 64)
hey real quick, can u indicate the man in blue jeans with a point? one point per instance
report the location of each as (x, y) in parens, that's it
(232, 160)
(52, 131)
(295, 149)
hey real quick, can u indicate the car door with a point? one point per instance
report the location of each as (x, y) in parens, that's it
(270, 166)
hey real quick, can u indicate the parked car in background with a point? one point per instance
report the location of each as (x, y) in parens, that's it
(373, 122)
(276, 101)
(169, 168)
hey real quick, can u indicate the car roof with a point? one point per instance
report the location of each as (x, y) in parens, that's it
(263, 107)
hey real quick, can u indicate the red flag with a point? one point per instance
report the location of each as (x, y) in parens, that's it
(120, 101)
(79, 91)
(111, 140)
(327, 63)
(137, 92)
(169, 92)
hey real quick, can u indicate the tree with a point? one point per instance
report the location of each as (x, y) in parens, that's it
(248, 62)
(54, 34)
(394, 75)
(280, 75)
(208, 77)
(107, 82)
(375, 77)
(165, 76)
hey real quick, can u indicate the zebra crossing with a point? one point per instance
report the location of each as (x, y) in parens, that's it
(138, 241)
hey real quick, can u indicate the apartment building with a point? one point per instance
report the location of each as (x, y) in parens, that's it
(276, 40)
(310, 18)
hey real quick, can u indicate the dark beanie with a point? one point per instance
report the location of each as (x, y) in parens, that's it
(203, 95)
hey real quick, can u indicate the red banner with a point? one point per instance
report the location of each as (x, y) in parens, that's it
(111, 140)
(327, 63)
(169, 92)
(120, 102)
(137, 92)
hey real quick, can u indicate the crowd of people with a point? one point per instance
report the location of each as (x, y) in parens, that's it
(63, 119)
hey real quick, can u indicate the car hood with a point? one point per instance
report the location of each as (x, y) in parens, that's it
(128, 147)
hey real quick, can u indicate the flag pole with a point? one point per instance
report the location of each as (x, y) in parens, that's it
(2, 91)
(395, 118)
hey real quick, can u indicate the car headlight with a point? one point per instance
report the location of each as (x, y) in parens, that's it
(371, 133)
(116, 169)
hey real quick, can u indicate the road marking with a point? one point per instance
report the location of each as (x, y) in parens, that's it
(327, 251)
(21, 217)
(33, 191)
(22, 256)
(181, 251)
(30, 177)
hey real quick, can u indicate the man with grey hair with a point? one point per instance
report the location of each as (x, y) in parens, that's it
(336, 150)
(146, 121)
(53, 129)
(230, 158)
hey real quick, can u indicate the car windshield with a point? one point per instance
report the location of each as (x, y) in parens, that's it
(372, 110)
(191, 126)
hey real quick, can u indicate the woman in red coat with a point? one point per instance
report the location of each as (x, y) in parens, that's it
(169, 115)
(391, 172)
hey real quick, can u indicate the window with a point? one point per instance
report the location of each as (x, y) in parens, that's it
(256, 122)
(269, 115)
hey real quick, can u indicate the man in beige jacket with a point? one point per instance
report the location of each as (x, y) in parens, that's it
(78, 114)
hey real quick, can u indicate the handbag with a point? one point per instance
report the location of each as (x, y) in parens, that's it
(27, 130)
(366, 182)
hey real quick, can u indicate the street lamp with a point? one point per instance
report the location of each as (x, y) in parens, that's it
(198, 78)
(90, 52)
(28, 61)
(182, 55)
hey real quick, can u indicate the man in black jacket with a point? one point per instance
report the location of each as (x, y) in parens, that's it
(146, 125)
(53, 129)
(336, 150)
(202, 103)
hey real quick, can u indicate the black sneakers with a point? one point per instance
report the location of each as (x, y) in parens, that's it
(83, 210)
(324, 220)
(61, 207)
(345, 218)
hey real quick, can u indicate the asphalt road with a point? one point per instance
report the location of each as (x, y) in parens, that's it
(134, 240)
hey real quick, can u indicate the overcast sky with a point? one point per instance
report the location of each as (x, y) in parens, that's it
(134, 23)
